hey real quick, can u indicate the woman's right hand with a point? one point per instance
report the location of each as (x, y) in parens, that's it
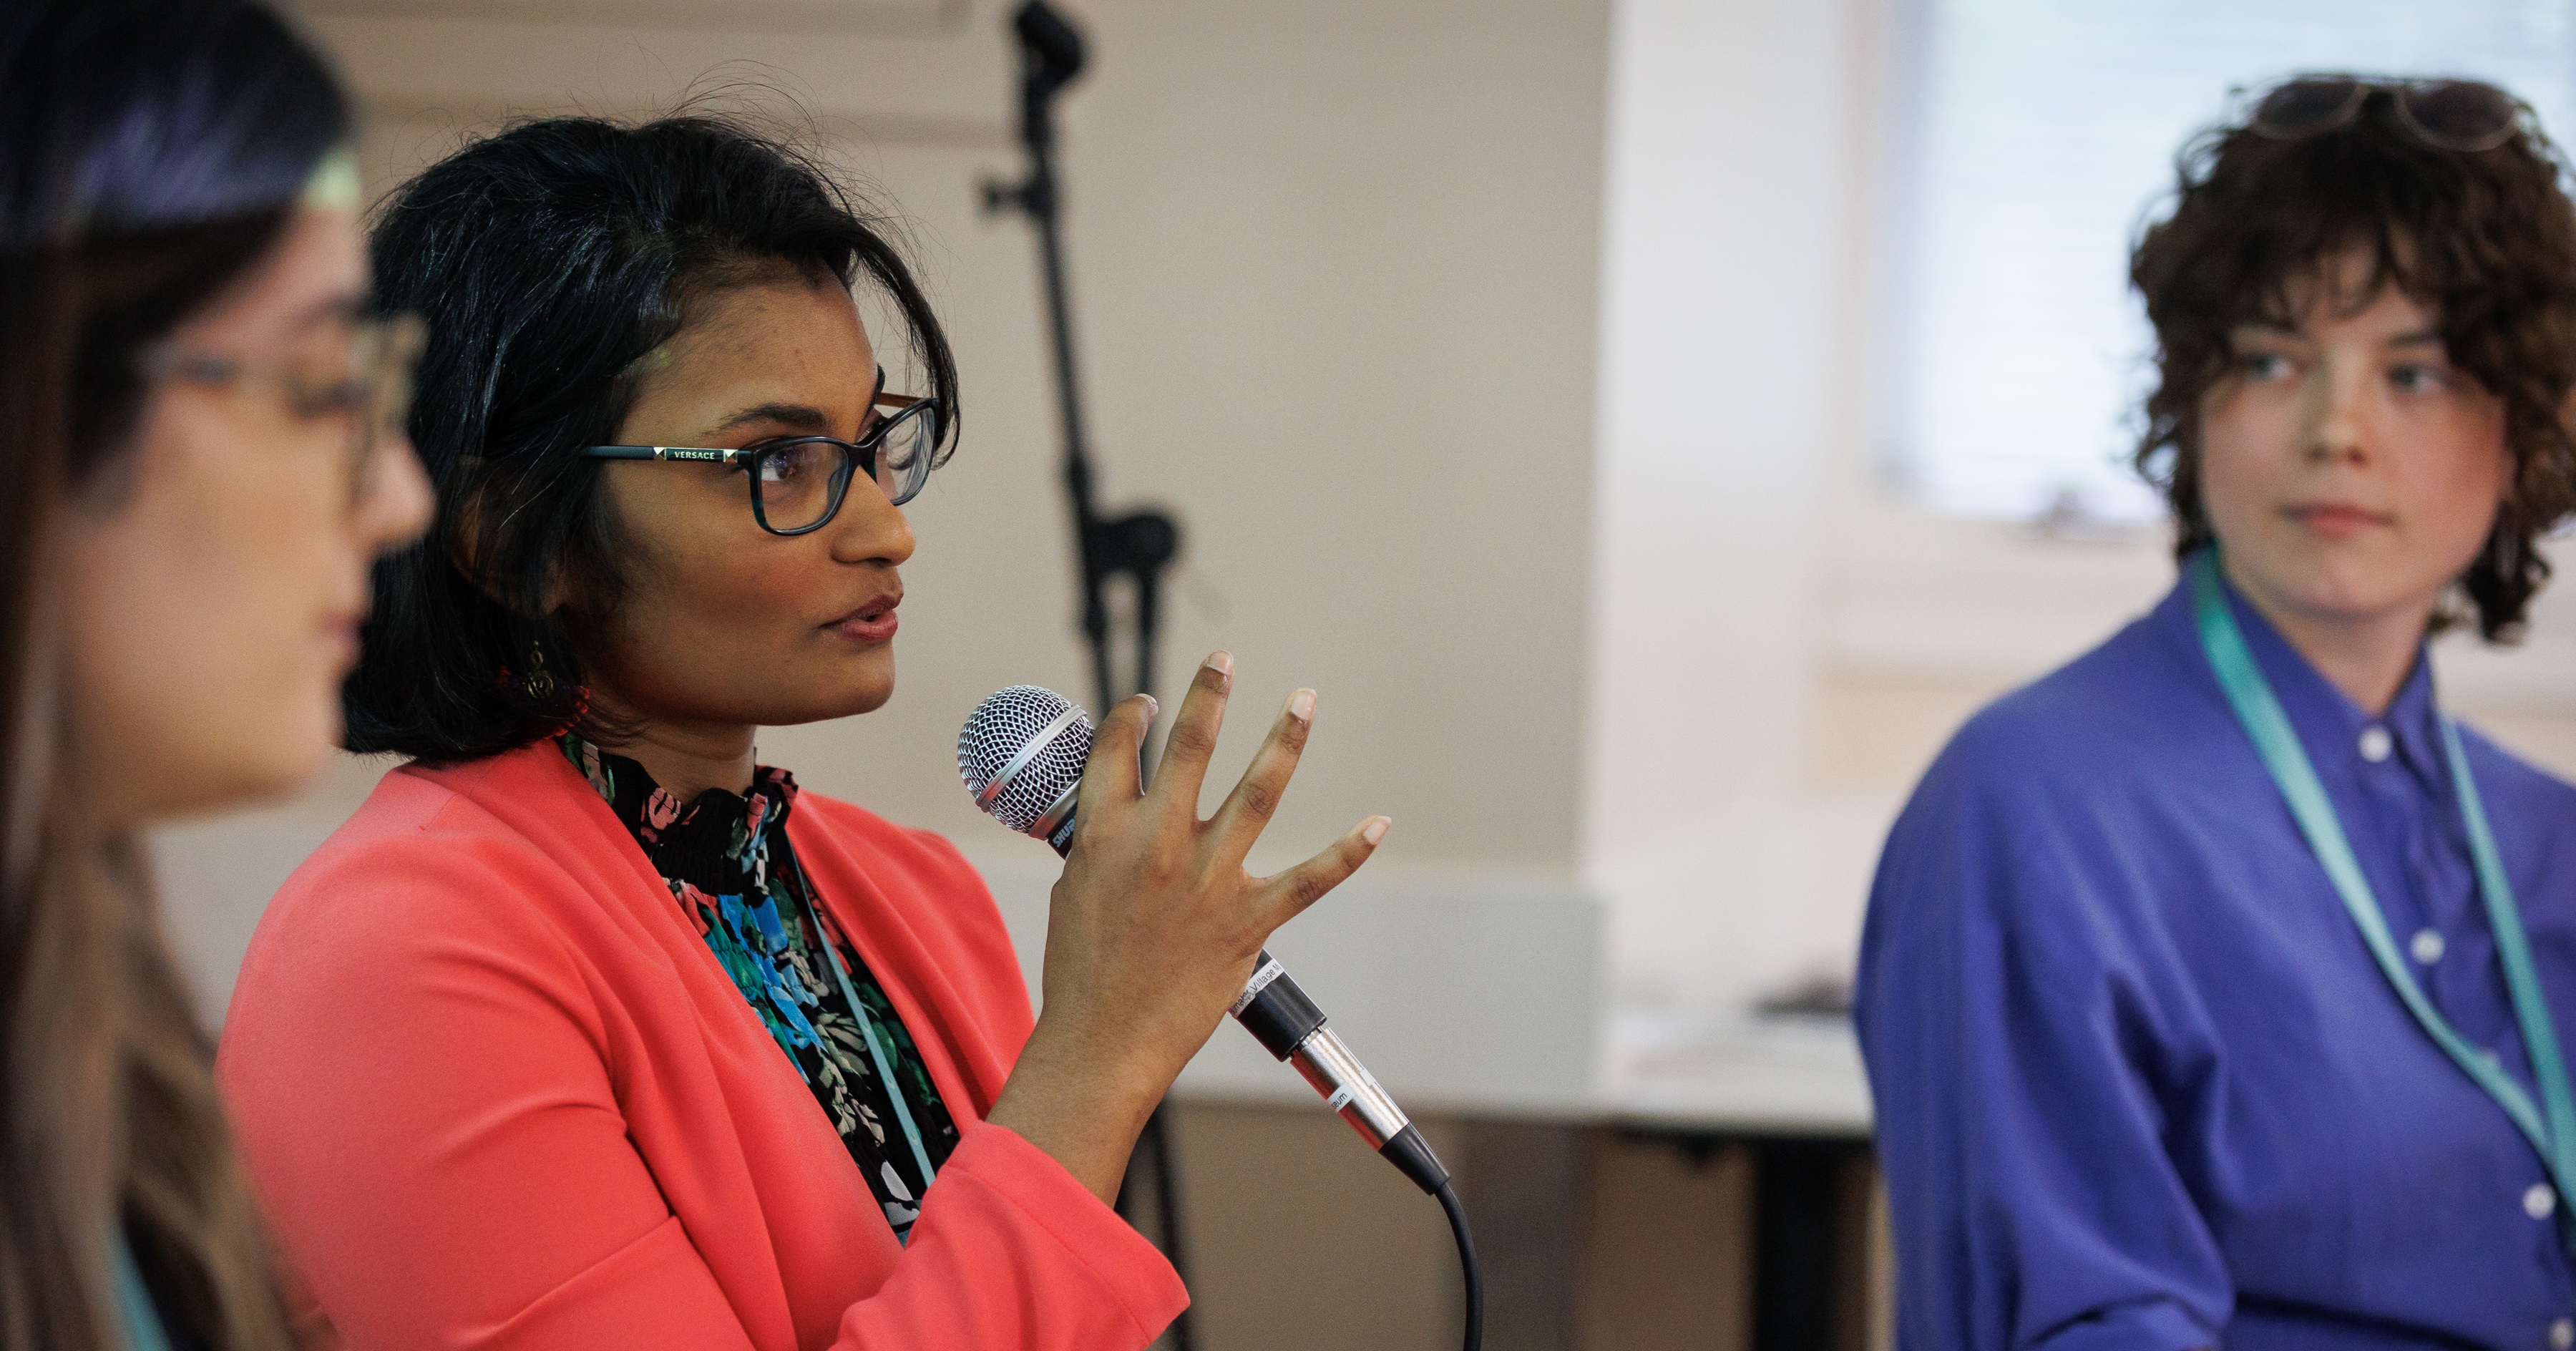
(1154, 926)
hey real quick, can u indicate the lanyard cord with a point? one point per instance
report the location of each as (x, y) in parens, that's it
(2522, 978)
(2259, 711)
(867, 1029)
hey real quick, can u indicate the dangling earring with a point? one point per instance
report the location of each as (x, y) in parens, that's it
(539, 684)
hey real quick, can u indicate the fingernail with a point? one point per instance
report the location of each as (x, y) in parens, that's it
(1301, 705)
(1221, 662)
(1151, 707)
(1375, 830)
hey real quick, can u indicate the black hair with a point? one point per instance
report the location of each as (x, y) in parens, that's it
(547, 260)
(151, 151)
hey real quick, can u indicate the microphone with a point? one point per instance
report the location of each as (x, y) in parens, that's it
(1022, 754)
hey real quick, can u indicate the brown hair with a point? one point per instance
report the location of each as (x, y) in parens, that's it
(150, 152)
(2485, 239)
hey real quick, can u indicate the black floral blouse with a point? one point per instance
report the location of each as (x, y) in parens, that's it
(726, 859)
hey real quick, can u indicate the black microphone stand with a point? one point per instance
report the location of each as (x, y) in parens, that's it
(1138, 545)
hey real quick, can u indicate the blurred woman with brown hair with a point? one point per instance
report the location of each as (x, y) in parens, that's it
(197, 474)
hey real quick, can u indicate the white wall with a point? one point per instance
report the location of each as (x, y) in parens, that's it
(1725, 295)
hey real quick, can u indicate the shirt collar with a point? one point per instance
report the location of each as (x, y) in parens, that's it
(2330, 725)
(713, 831)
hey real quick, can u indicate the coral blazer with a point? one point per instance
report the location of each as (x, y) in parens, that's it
(496, 1092)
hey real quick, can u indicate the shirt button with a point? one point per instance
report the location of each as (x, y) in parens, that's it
(2427, 946)
(2539, 1201)
(2562, 1334)
(2375, 743)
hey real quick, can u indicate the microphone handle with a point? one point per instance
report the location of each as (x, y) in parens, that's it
(1276, 1011)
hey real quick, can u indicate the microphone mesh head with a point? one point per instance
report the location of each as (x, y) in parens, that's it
(999, 729)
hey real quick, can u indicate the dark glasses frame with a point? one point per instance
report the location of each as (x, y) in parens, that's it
(754, 457)
(2468, 116)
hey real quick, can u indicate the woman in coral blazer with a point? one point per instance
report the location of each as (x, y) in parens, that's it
(589, 1030)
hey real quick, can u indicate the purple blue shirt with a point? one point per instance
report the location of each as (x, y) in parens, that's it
(2139, 1084)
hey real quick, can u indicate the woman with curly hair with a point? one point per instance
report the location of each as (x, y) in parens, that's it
(2215, 986)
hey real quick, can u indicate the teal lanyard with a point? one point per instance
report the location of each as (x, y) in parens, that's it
(142, 1320)
(2553, 1132)
(875, 1040)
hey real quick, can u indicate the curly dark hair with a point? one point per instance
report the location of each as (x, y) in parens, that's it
(2485, 239)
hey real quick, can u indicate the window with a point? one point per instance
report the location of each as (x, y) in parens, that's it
(2033, 138)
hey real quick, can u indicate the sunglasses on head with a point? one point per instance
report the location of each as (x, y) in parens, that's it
(2463, 115)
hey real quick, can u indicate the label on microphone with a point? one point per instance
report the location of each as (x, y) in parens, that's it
(1341, 1098)
(1270, 971)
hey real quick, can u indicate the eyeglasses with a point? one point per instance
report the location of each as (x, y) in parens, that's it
(2463, 115)
(362, 379)
(797, 482)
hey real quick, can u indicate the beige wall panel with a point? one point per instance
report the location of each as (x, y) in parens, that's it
(1300, 1237)
(1671, 1260)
